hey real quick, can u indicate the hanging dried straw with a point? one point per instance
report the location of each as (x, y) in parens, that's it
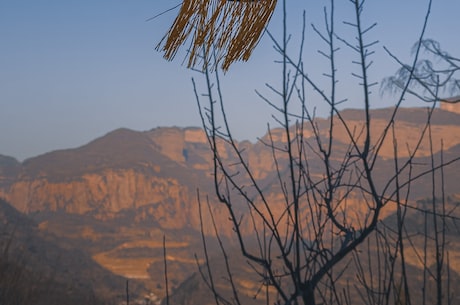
(232, 28)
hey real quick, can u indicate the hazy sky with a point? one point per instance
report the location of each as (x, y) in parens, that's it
(73, 70)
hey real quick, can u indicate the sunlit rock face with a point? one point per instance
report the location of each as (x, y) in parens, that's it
(110, 191)
(160, 170)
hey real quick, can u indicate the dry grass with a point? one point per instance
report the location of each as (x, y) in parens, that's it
(231, 28)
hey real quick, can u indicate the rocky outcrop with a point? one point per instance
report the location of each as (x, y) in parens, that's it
(105, 193)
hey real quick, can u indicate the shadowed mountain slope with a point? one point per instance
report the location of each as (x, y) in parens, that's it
(37, 268)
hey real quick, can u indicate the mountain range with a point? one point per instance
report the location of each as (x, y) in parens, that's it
(96, 215)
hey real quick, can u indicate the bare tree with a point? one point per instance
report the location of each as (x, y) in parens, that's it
(331, 197)
(435, 74)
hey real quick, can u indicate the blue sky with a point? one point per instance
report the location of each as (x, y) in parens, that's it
(71, 71)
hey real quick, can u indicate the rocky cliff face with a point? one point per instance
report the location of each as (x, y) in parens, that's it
(104, 194)
(162, 168)
(122, 171)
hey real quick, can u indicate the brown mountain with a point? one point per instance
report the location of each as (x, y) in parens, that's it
(127, 169)
(117, 196)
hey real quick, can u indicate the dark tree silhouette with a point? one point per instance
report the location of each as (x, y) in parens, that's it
(324, 227)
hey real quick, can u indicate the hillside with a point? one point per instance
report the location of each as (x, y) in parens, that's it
(38, 268)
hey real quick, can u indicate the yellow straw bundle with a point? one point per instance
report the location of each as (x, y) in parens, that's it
(231, 28)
